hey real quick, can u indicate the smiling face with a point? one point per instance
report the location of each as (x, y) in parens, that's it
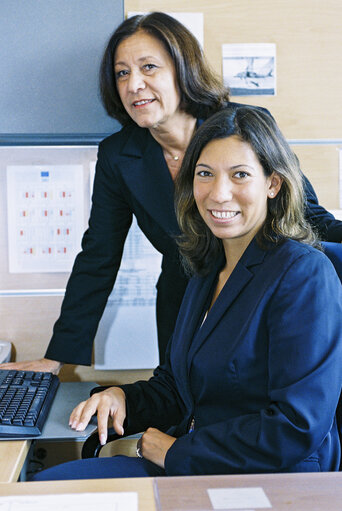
(146, 80)
(231, 190)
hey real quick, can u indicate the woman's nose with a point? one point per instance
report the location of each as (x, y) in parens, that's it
(136, 82)
(222, 190)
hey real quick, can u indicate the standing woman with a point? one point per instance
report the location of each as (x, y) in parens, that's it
(157, 84)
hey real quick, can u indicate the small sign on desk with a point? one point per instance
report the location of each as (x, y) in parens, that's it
(209, 493)
(247, 499)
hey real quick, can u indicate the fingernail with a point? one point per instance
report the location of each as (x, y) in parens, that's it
(79, 427)
(102, 439)
(74, 424)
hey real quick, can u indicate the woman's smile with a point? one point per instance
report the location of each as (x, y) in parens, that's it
(142, 102)
(231, 189)
(223, 215)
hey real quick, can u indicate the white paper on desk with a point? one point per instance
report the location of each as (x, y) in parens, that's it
(238, 498)
(111, 501)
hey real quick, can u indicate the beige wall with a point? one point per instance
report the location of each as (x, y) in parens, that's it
(308, 105)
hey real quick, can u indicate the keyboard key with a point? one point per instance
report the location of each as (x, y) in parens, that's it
(29, 375)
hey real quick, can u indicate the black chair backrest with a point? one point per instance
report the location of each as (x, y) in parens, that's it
(334, 252)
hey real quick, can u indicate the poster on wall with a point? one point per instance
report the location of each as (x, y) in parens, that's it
(45, 217)
(250, 69)
(127, 335)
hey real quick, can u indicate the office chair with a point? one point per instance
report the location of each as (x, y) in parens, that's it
(334, 252)
(92, 447)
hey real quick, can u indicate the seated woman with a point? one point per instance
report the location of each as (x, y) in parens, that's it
(253, 371)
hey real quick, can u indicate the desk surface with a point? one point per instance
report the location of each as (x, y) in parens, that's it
(286, 492)
(12, 458)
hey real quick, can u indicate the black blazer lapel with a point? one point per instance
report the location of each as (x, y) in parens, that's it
(145, 172)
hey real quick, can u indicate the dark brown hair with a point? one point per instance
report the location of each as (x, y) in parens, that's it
(285, 213)
(202, 92)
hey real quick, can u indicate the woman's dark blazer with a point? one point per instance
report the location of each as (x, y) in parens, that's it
(261, 376)
(132, 178)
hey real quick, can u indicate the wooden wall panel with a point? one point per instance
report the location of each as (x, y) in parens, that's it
(320, 164)
(308, 37)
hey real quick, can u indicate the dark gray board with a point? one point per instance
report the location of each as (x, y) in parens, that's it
(50, 56)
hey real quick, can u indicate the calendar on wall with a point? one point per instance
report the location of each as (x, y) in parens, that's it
(45, 217)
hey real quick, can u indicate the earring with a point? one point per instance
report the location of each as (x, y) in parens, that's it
(271, 194)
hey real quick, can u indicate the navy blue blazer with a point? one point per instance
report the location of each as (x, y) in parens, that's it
(132, 178)
(261, 377)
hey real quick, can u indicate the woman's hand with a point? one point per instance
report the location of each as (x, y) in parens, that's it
(44, 365)
(154, 445)
(108, 403)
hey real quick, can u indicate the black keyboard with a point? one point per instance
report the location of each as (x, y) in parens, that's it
(25, 401)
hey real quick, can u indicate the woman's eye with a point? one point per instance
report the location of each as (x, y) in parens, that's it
(204, 173)
(149, 67)
(121, 74)
(241, 174)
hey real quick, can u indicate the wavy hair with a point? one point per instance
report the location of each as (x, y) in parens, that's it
(285, 213)
(202, 92)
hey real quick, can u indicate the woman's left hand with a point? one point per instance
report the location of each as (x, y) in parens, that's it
(154, 445)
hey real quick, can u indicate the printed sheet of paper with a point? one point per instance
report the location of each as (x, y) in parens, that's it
(249, 69)
(45, 217)
(247, 499)
(192, 20)
(125, 501)
(127, 335)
